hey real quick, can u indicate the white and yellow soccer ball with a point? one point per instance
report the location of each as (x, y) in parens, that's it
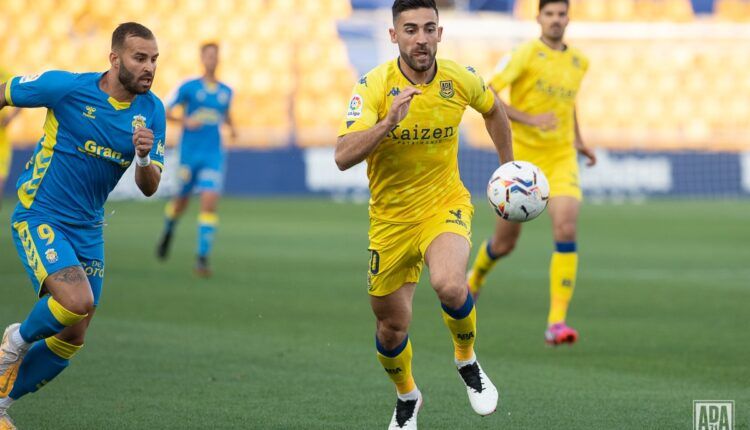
(518, 191)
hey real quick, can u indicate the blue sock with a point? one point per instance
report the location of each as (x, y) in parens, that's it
(169, 225)
(489, 250)
(46, 319)
(41, 365)
(206, 232)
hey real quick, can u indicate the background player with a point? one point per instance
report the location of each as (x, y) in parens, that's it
(403, 119)
(205, 102)
(96, 125)
(6, 149)
(544, 76)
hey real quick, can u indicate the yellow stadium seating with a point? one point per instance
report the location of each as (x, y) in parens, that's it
(732, 10)
(291, 72)
(266, 55)
(617, 10)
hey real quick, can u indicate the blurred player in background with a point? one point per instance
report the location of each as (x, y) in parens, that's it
(544, 77)
(403, 119)
(205, 105)
(6, 149)
(97, 125)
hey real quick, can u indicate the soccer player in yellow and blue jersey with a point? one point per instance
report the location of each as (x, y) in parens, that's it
(97, 125)
(544, 77)
(6, 149)
(403, 120)
(205, 102)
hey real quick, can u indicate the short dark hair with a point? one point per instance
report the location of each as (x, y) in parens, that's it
(404, 5)
(543, 3)
(208, 45)
(127, 29)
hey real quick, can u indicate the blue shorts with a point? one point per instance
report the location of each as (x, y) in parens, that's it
(204, 174)
(46, 246)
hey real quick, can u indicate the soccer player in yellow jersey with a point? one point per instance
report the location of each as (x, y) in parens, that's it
(6, 149)
(403, 119)
(544, 76)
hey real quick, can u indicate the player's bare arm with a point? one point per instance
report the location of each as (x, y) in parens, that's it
(3, 102)
(580, 146)
(9, 118)
(188, 122)
(228, 121)
(353, 148)
(14, 113)
(496, 121)
(545, 121)
(147, 177)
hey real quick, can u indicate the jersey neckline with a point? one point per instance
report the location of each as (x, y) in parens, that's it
(398, 65)
(116, 104)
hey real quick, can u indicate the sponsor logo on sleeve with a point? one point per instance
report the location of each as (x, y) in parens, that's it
(355, 107)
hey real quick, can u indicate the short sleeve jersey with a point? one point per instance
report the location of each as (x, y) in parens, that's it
(413, 173)
(87, 143)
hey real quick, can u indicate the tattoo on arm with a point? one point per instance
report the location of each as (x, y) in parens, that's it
(70, 275)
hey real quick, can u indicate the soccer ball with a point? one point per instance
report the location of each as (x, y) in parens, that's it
(518, 191)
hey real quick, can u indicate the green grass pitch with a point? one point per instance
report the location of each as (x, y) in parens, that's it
(282, 336)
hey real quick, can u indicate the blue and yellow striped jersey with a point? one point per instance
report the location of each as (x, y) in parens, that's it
(87, 143)
(208, 103)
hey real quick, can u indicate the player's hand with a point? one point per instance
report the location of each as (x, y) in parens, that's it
(143, 140)
(546, 121)
(191, 123)
(400, 105)
(588, 153)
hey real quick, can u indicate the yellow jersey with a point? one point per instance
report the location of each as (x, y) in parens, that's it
(542, 80)
(413, 172)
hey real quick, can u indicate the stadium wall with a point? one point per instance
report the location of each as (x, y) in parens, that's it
(294, 171)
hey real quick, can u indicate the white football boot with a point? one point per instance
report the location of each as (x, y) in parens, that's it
(482, 393)
(405, 414)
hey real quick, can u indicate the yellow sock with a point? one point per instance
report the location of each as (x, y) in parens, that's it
(562, 281)
(463, 326)
(483, 263)
(397, 364)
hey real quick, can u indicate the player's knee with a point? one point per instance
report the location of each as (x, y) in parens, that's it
(392, 332)
(450, 288)
(80, 303)
(565, 232)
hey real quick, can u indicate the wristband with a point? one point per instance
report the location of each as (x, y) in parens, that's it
(142, 161)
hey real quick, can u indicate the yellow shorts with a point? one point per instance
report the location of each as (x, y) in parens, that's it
(6, 154)
(397, 250)
(560, 166)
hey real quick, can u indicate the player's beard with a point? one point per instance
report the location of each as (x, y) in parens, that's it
(131, 83)
(555, 33)
(414, 65)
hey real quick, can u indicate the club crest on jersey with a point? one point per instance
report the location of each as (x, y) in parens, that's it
(138, 122)
(90, 112)
(51, 256)
(446, 89)
(223, 97)
(355, 107)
